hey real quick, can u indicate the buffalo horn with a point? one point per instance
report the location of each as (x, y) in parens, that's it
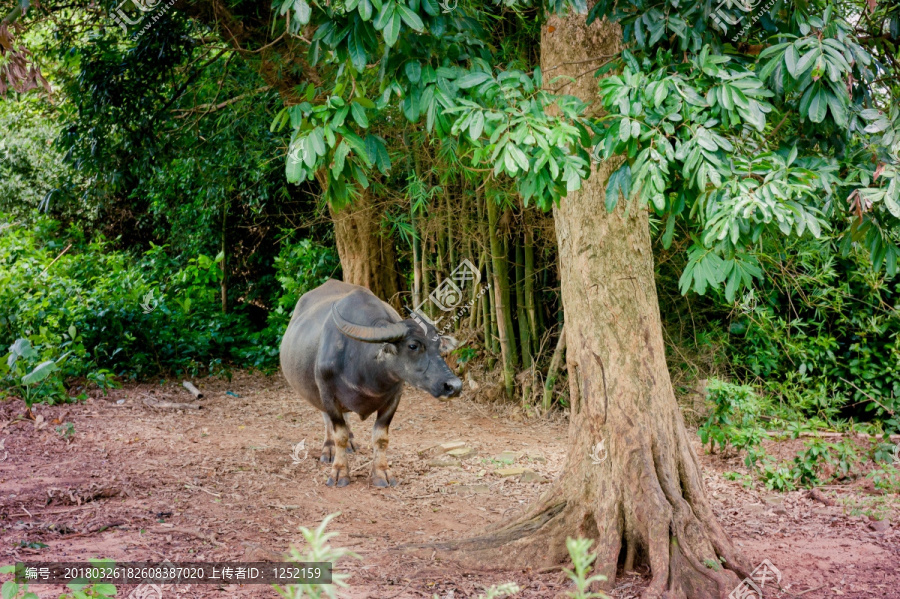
(390, 332)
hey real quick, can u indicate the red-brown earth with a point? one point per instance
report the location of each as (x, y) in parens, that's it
(136, 483)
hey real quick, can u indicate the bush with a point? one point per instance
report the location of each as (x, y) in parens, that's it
(825, 339)
(72, 308)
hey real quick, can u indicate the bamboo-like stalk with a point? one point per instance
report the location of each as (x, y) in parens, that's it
(476, 294)
(224, 263)
(502, 306)
(529, 285)
(553, 371)
(423, 264)
(521, 312)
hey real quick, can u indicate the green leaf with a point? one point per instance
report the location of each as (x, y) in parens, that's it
(364, 102)
(619, 182)
(365, 10)
(359, 115)
(838, 109)
(9, 589)
(670, 231)
(472, 79)
(357, 50)
(818, 106)
(304, 11)
(791, 58)
(107, 590)
(431, 7)
(41, 371)
(476, 126)
(410, 18)
(384, 16)
(413, 71)
(392, 30)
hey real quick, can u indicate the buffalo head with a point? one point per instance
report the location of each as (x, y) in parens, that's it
(411, 351)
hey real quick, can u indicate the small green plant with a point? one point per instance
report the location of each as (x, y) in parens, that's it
(26, 374)
(66, 430)
(319, 551)
(582, 558)
(885, 478)
(497, 591)
(776, 477)
(465, 354)
(32, 545)
(734, 417)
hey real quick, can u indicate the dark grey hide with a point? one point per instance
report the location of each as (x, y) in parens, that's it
(345, 350)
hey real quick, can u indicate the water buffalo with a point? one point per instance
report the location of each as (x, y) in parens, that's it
(345, 350)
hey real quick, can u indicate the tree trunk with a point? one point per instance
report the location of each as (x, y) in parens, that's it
(631, 480)
(367, 257)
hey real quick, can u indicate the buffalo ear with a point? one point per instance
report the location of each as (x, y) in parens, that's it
(448, 344)
(388, 349)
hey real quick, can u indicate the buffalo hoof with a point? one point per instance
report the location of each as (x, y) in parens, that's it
(382, 483)
(342, 481)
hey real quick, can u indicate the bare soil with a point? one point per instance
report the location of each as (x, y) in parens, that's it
(138, 483)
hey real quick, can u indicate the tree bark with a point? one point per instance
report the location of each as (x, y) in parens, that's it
(631, 480)
(367, 257)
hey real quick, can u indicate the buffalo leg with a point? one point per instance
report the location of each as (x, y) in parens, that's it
(328, 446)
(340, 470)
(381, 475)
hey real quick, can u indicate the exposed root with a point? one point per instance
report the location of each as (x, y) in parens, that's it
(509, 533)
(659, 518)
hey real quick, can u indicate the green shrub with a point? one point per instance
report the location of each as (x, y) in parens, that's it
(824, 335)
(77, 309)
(734, 417)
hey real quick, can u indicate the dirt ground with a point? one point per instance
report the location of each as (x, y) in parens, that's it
(136, 483)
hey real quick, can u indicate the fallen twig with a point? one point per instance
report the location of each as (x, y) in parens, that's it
(194, 390)
(94, 531)
(52, 512)
(154, 403)
(810, 590)
(204, 490)
(883, 407)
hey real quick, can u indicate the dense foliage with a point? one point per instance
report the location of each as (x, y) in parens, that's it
(75, 311)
